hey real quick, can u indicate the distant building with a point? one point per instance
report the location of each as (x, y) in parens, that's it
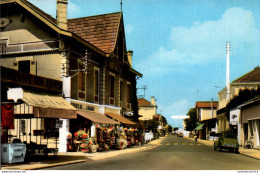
(206, 116)
(147, 109)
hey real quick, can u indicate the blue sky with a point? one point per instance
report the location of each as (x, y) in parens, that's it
(180, 45)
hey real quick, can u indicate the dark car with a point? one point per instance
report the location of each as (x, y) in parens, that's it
(227, 141)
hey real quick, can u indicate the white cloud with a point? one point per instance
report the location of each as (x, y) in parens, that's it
(204, 43)
(179, 116)
(129, 29)
(179, 107)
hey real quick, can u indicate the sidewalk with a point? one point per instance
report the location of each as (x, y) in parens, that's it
(253, 153)
(76, 157)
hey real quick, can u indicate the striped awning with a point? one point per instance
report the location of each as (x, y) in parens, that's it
(96, 117)
(121, 119)
(199, 127)
(46, 106)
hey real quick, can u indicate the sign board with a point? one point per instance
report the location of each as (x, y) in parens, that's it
(234, 123)
(59, 123)
(234, 116)
(14, 94)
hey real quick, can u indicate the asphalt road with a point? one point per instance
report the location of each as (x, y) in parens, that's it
(172, 154)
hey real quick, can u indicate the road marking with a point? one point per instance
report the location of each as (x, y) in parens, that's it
(159, 143)
(175, 143)
(198, 144)
(167, 144)
(183, 143)
(191, 143)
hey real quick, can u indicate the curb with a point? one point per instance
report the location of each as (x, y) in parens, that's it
(53, 165)
(80, 161)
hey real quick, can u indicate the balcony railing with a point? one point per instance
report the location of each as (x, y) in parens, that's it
(16, 77)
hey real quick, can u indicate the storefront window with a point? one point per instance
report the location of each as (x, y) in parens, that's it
(250, 123)
(96, 82)
(112, 86)
(128, 93)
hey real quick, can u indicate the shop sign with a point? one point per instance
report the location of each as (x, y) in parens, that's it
(58, 123)
(234, 115)
(83, 107)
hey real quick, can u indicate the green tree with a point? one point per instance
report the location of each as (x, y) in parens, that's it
(164, 121)
(191, 122)
(151, 125)
(169, 128)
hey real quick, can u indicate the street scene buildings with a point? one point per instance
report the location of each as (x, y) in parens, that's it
(69, 87)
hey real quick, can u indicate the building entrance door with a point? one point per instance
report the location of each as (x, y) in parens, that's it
(245, 132)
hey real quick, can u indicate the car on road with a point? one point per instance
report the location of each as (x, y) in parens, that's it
(227, 140)
(180, 134)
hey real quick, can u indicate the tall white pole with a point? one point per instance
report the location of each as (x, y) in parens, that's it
(227, 74)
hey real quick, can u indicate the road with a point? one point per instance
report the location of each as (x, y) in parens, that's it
(173, 153)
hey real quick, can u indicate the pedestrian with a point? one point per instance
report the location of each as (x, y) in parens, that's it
(196, 137)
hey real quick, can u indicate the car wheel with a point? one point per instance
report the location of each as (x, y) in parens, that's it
(236, 151)
(220, 149)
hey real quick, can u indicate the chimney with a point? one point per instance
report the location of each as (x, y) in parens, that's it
(153, 101)
(61, 14)
(130, 56)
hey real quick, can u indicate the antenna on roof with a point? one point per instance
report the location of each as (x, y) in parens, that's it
(121, 5)
(144, 87)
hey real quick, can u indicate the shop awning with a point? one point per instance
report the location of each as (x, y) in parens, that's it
(96, 117)
(120, 119)
(199, 127)
(49, 106)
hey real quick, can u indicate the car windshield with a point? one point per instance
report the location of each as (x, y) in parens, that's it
(230, 136)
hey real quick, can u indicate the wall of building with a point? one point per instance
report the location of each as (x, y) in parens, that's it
(206, 113)
(147, 112)
(234, 90)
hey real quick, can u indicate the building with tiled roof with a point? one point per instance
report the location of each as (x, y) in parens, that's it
(206, 116)
(206, 104)
(250, 77)
(100, 30)
(147, 109)
(250, 80)
(143, 102)
(88, 55)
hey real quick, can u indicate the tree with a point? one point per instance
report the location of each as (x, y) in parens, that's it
(191, 122)
(164, 121)
(169, 128)
(151, 125)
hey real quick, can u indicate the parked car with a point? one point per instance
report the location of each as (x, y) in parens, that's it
(180, 134)
(227, 141)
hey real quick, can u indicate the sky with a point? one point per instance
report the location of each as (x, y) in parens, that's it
(180, 45)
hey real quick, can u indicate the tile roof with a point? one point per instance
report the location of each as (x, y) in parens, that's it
(100, 30)
(206, 104)
(252, 76)
(143, 102)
